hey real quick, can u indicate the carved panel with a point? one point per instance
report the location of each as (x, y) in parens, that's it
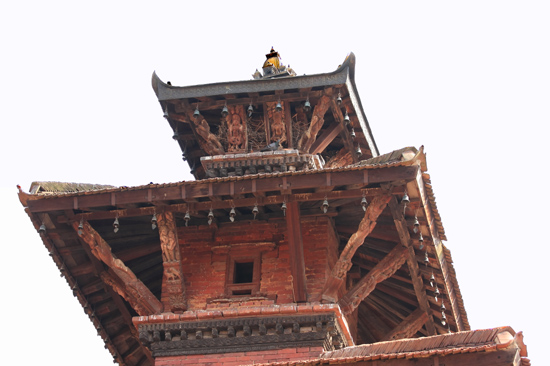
(236, 129)
(276, 122)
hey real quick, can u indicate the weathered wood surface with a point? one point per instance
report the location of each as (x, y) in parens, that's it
(382, 271)
(296, 247)
(342, 266)
(416, 277)
(129, 287)
(173, 294)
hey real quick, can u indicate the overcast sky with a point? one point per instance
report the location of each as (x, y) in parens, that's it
(469, 80)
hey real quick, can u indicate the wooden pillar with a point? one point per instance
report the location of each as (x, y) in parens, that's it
(296, 248)
(173, 287)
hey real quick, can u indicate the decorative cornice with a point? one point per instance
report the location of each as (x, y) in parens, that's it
(243, 334)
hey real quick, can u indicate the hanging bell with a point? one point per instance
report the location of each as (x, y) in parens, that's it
(339, 99)
(443, 308)
(232, 214)
(307, 105)
(176, 134)
(197, 113)
(279, 107)
(346, 119)
(416, 224)
(432, 280)
(358, 151)
(187, 217)
(421, 240)
(255, 211)
(436, 291)
(225, 111)
(166, 114)
(210, 217)
(324, 207)
(443, 319)
(283, 207)
(80, 228)
(250, 110)
(116, 225)
(405, 200)
(154, 221)
(364, 203)
(352, 133)
(426, 258)
(42, 228)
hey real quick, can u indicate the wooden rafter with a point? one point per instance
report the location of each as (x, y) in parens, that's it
(408, 327)
(316, 123)
(418, 283)
(296, 246)
(342, 266)
(326, 137)
(129, 286)
(173, 288)
(383, 270)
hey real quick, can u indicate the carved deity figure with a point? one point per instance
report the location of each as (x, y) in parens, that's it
(236, 129)
(276, 122)
(168, 237)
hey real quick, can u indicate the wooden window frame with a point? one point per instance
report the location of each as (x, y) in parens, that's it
(243, 289)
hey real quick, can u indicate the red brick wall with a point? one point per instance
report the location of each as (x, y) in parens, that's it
(205, 270)
(242, 358)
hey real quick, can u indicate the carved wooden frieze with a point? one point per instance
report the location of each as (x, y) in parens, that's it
(242, 334)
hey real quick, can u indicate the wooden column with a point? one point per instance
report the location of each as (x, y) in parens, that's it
(123, 280)
(296, 248)
(416, 277)
(383, 270)
(173, 288)
(343, 264)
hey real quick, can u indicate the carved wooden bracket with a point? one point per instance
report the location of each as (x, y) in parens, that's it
(316, 123)
(416, 277)
(127, 284)
(173, 287)
(383, 270)
(343, 264)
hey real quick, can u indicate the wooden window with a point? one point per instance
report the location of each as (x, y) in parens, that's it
(243, 277)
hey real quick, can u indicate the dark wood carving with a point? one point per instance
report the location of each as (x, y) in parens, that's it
(343, 264)
(173, 287)
(242, 334)
(129, 287)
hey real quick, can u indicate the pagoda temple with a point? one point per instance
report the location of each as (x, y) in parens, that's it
(297, 243)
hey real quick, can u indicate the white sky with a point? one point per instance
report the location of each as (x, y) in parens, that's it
(469, 80)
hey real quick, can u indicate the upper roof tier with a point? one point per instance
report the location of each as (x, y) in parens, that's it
(308, 115)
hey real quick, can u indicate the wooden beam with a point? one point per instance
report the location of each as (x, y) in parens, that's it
(326, 138)
(383, 270)
(409, 326)
(133, 290)
(173, 288)
(418, 283)
(342, 266)
(296, 248)
(199, 189)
